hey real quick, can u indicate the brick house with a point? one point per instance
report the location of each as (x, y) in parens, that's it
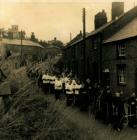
(110, 53)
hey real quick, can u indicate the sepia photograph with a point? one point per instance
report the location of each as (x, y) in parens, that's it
(68, 69)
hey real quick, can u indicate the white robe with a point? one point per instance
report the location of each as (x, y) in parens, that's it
(58, 84)
(69, 88)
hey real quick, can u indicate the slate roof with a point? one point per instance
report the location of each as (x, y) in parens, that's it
(18, 42)
(94, 32)
(130, 30)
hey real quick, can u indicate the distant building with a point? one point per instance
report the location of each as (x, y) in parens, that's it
(12, 33)
(53, 48)
(56, 42)
(27, 51)
(53, 51)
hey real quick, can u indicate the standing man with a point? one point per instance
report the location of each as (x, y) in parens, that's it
(108, 105)
(119, 111)
(83, 98)
(88, 87)
(132, 111)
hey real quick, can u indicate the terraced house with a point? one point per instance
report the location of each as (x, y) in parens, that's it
(110, 51)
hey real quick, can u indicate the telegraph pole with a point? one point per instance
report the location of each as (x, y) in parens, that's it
(84, 42)
(70, 36)
(21, 46)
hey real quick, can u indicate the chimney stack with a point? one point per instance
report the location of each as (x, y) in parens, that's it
(100, 19)
(117, 9)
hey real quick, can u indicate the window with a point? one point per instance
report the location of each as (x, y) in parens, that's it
(121, 49)
(121, 74)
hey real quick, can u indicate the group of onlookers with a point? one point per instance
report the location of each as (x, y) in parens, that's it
(92, 97)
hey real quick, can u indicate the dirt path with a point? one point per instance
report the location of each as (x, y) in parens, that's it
(89, 128)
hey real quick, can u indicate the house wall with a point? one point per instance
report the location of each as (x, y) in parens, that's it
(74, 59)
(110, 61)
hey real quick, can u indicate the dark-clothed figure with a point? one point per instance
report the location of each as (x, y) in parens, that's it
(88, 88)
(132, 111)
(63, 87)
(119, 111)
(94, 92)
(76, 93)
(83, 98)
(52, 84)
(100, 105)
(46, 83)
(107, 110)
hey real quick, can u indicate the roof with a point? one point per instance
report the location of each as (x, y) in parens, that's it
(95, 31)
(18, 42)
(52, 46)
(130, 30)
(131, 15)
(101, 28)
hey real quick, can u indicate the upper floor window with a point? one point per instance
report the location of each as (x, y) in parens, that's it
(121, 50)
(121, 73)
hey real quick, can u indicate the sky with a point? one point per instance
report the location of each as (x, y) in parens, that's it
(54, 18)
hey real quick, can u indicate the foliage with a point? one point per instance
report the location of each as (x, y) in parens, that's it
(33, 117)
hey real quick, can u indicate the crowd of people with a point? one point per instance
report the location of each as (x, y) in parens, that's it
(100, 101)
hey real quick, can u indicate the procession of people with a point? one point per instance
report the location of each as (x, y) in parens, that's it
(88, 96)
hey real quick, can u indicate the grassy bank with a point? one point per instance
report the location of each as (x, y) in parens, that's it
(31, 115)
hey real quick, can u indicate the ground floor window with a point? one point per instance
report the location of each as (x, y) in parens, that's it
(121, 74)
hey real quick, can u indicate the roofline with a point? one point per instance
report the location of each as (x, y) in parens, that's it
(26, 45)
(132, 37)
(97, 30)
(92, 32)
